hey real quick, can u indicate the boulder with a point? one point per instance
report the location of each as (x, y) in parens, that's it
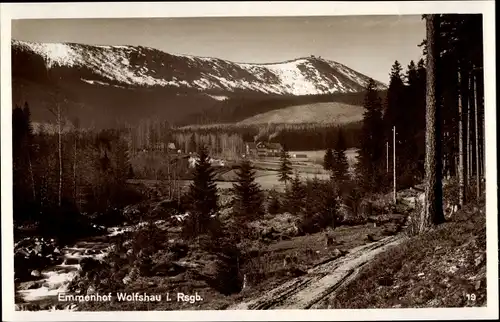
(71, 261)
(168, 269)
(90, 290)
(126, 280)
(30, 285)
(336, 253)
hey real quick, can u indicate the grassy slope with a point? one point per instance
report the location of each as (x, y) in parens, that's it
(237, 109)
(436, 269)
(332, 112)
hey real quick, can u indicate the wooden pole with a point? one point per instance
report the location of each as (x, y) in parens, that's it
(394, 160)
(387, 159)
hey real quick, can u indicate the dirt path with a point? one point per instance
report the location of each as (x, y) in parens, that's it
(306, 291)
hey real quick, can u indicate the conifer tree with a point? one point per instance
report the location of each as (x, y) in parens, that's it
(274, 205)
(328, 160)
(192, 144)
(248, 197)
(328, 197)
(394, 105)
(313, 196)
(340, 165)
(285, 170)
(20, 162)
(296, 194)
(202, 196)
(398, 113)
(371, 152)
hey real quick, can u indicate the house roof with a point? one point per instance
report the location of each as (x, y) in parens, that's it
(272, 146)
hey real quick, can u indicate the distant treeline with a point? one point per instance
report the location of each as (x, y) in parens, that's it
(229, 140)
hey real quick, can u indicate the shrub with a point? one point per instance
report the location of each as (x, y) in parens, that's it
(228, 278)
(274, 203)
(320, 206)
(414, 219)
(295, 196)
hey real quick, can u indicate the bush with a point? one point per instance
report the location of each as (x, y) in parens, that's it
(228, 278)
(148, 239)
(274, 203)
(414, 219)
(320, 206)
(274, 227)
(314, 223)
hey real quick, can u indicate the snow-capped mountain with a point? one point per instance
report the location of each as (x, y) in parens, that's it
(105, 85)
(137, 66)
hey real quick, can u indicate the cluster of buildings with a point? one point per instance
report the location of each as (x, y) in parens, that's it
(263, 149)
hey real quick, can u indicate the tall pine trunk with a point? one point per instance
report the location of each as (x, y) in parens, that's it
(432, 212)
(467, 133)
(478, 175)
(479, 88)
(461, 168)
(75, 192)
(59, 129)
(33, 188)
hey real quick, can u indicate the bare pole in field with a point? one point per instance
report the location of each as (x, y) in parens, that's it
(394, 160)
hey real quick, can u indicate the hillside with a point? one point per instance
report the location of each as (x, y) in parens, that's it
(238, 109)
(125, 83)
(445, 267)
(333, 112)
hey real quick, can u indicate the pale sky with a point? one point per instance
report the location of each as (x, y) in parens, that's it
(368, 44)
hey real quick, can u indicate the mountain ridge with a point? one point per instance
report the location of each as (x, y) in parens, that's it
(137, 65)
(139, 82)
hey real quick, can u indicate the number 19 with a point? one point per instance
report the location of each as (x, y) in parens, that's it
(471, 297)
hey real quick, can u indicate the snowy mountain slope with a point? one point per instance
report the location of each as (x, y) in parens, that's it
(137, 66)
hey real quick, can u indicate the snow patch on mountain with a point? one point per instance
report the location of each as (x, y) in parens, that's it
(218, 97)
(92, 82)
(60, 54)
(290, 76)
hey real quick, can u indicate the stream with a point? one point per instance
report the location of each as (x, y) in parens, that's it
(41, 293)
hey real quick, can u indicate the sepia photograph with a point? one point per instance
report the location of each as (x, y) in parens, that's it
(320, 163)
